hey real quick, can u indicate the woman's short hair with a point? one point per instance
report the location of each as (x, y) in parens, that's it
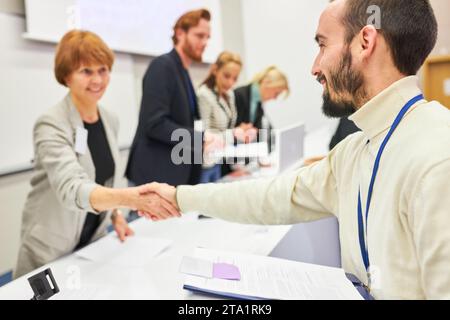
(80, 47)
(223, 59)
(273, 77)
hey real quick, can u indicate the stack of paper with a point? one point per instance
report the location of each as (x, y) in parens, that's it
(271, 278)
(136, 251)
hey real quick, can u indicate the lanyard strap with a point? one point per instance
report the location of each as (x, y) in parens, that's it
(361, 230)
(230, 116)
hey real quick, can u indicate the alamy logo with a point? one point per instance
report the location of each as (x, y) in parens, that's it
(375, 16)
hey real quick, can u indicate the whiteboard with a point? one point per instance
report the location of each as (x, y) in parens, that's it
(133, 26)
(28, 88)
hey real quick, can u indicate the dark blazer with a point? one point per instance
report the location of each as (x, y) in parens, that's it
(345, 128)
(243, 97)
(164, 108)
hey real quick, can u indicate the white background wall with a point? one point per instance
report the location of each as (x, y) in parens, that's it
(263, 31)
(282, 33)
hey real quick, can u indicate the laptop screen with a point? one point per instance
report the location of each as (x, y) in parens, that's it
(290, 146)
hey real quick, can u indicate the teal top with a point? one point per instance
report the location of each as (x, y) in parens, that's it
(255, 99)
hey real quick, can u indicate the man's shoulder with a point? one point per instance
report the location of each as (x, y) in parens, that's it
(434, 113)
(162, 62)
(351, 141)
(164, 59)
(430, 125)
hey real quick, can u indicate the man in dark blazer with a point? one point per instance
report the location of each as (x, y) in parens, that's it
(169, 103)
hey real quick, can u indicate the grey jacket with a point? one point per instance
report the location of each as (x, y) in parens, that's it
(58, 203)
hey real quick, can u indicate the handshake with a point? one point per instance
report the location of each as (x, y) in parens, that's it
(153, 201)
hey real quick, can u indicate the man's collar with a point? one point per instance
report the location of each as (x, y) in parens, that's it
(377, 115)
(174, 53)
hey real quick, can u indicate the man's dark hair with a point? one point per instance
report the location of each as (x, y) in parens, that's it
(408, 26)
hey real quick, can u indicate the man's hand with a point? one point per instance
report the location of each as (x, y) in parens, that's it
(121, 226)
(165, 192)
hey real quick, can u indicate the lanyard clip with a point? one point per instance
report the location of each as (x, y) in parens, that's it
(369, 284)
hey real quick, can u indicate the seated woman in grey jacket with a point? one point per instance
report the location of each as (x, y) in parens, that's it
(75, 192)
(217, 105)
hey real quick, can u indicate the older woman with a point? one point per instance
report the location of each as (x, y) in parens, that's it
(73, 199)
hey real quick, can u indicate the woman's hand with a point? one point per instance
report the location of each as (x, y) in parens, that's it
(135, 198)
(121, 226)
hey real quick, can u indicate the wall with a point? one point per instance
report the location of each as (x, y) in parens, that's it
(442, 9)
(233, 36)
(281, 33)
(12, 6)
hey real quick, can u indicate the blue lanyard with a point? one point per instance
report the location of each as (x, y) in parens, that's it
(363, 232)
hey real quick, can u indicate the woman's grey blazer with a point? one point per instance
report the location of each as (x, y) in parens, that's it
(63, 180)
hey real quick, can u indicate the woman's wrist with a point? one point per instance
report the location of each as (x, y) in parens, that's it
(122, 197)
(116, 213)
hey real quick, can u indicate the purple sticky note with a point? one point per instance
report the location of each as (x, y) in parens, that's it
(226, 271)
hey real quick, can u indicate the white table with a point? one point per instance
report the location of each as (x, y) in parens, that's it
(315, 242)
(82, 279)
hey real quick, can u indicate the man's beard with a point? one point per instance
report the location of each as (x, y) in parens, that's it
(348, 85)
(187, 49)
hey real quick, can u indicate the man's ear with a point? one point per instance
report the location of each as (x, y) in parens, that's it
(367, 41)
(180, 34)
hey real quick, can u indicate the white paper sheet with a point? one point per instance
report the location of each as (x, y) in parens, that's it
(272, 278)
(196, 267)
(136, 251)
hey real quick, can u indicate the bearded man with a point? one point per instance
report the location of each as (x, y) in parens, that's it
(169, 104)
(388, 184)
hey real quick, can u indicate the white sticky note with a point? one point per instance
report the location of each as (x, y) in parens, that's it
(447, 87)
(196, 267)
(81, 140)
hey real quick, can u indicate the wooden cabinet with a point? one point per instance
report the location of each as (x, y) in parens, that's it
(437, 79)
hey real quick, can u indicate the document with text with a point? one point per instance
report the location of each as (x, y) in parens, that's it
(265, 277)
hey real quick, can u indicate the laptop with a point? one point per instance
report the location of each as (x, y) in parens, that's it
(289, 147)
